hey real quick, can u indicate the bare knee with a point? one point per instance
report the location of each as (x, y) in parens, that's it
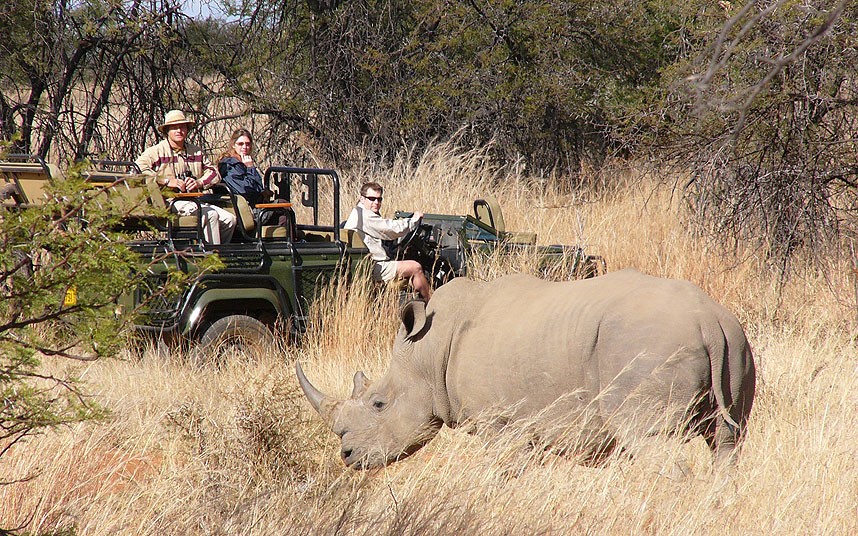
(409, 268)
(413, 271)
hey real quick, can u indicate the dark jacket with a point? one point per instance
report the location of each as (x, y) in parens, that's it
(240, 180)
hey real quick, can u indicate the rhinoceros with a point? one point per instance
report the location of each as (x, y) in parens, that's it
(612, 358)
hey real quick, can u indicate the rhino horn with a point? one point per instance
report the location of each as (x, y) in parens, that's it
(317, 398)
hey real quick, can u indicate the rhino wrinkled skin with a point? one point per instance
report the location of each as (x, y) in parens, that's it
(588, 365)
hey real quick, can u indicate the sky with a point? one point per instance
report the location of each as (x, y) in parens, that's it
(201, 9)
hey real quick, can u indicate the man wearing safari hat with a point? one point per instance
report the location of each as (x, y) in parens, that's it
(175, 163)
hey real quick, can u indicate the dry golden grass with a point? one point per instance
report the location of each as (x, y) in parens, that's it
(237, 451)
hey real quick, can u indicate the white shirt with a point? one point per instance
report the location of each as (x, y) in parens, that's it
(372, 229)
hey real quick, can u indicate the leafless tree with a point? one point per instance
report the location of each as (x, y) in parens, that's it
(770, 127)
(88, 79)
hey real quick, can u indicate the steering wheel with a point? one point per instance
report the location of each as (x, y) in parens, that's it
(397, 248)
(406, 239)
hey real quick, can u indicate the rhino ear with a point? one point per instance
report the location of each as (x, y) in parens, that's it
(361, 383)
(413, 316)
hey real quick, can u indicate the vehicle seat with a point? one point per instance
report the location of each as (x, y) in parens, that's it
(352, 239)
(487, 210)
(276, 230)
(239, 207)
(132, 198)
(28, 175)
(189, 226)
(125, 188)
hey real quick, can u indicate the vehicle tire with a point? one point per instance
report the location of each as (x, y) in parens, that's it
(233, 338)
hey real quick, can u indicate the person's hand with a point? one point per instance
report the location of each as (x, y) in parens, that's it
(191, 184)
(247, 160)
(417, 216)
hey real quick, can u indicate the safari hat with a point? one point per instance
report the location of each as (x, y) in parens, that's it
(175, 117)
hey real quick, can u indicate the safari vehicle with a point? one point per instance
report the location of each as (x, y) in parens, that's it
(22, 180)
(448, 246)
(269, 275)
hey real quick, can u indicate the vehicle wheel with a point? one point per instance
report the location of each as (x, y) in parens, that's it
(231, 338)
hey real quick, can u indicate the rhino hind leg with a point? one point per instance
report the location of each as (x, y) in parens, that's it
(724, 429)
(723, 439)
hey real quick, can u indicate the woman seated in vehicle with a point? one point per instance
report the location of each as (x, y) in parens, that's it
(240, 174)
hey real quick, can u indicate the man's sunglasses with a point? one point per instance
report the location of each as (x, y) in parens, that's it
(373, 198)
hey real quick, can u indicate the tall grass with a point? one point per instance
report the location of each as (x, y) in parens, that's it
(236, 450)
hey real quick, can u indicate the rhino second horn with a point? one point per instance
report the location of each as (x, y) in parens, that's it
(316, 397)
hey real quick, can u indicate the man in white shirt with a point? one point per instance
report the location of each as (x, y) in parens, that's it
(372, 228)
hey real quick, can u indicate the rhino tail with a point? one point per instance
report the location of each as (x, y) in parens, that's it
(719, 356)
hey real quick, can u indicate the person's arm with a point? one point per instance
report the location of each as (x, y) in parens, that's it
(386, 229)
(230, 175)
(205, 174)
(210, 175)
(146, 160)
(149, 163)
(254, 172)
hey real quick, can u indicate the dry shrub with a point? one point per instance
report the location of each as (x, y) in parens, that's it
(264, 437)
(270, 422)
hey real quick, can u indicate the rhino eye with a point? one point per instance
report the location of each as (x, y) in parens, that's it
(378, 405)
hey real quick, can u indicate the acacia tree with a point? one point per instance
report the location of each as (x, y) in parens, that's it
(48, 257)
(546, 79)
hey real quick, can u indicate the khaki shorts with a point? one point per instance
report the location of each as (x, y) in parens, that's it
(384, 270)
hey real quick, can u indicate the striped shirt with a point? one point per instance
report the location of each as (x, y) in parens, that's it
(165, 163)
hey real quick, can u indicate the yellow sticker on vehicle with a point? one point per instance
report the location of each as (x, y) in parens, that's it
(71, 297)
